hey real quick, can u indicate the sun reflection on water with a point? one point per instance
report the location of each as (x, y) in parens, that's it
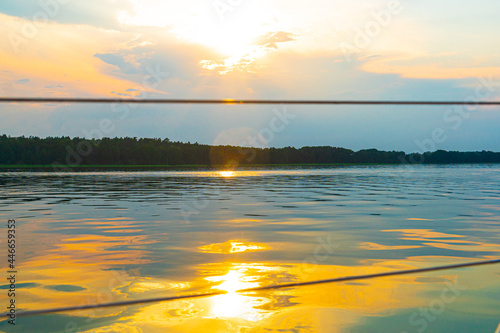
(232, 304)
(233, 246)
(227, 173)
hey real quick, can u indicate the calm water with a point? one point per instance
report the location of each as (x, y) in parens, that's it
(86, 238)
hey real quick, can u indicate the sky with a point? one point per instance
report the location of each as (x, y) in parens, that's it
(256, 49)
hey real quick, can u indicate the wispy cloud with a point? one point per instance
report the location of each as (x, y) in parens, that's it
(22, 81)
(271, 39)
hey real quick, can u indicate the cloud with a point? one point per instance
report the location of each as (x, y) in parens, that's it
(97, 13)
(247, 62)
(22, 81)
(120, 94)
(271, 39)
(58, 55)
(439, 67)
(125, 66)
(177, 58)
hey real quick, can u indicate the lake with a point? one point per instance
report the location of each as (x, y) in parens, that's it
(88, 238)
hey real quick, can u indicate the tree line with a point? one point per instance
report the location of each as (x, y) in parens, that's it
(139, 151)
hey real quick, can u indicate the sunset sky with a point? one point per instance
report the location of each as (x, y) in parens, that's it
(382, 50)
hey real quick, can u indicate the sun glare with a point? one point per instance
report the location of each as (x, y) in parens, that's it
(229, 31)
(227, 174)
(232, 34)
(232, 304)
(228, 40)
(233, 247)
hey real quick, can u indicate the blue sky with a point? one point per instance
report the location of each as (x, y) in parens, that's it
(413, 50)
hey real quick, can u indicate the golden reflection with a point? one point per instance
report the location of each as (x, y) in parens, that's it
(470, 246)
(380, 247)
(232, 305)
(423, 233)
(442, 240)
(90, 263)
(141, 287)
(322, 308)
(226, 174)
(232, 246)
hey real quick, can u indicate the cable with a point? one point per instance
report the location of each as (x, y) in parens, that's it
(271, 287)
(232, 101)
(371, 276)
(113, 304)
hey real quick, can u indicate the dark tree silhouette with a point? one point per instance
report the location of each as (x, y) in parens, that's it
(133, 151)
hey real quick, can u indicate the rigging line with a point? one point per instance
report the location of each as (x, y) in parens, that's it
(271, 287)
(233, 101)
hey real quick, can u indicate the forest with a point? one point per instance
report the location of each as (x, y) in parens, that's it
(66, 151)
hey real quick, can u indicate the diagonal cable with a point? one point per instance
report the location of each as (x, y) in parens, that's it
(271, 287)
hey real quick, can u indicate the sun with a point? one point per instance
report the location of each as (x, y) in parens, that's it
(232, 36)
(230, 31)
(227, 39)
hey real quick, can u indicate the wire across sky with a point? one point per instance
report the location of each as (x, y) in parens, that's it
(230, 101)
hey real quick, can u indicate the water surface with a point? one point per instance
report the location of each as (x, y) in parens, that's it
(87, 238)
